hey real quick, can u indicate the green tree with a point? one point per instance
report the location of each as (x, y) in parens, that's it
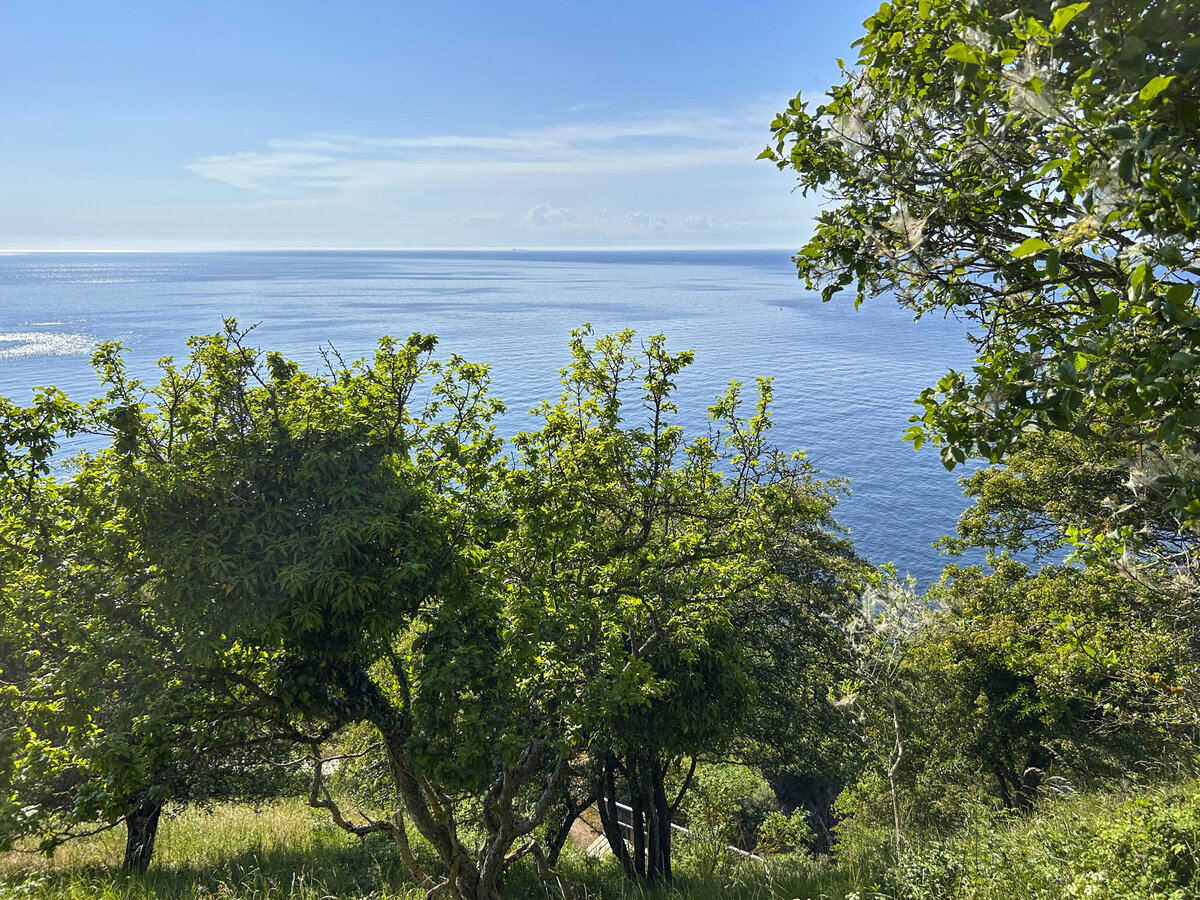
(1001, 684)
(280, 540)
(1056, 671)
(101, 725)
(332, 524)
(306, 554)
(672, 579)
(881, 691)
(1031, 167)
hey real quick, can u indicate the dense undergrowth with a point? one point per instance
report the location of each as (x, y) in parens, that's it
(1141, 844)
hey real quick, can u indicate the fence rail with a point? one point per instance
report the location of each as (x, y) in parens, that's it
(629, 809)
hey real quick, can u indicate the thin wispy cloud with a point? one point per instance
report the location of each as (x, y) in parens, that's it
(358, 163)
(677, 178)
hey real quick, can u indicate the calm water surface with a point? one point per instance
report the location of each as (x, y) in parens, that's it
(844, 380)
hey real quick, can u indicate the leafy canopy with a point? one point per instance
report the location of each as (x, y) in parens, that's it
(262, 555)
(1032, 167)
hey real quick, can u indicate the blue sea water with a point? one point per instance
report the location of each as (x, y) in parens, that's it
(844, 380)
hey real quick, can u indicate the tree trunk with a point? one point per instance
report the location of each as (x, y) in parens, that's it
(1001, 773)
(637, 819)
(572, 810)
(645, 778)
(141, 828)
(893, 768)
(1031, 779)
(662, 819)
(610, 816)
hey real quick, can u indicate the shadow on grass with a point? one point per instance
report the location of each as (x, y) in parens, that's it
(785, 878)
(369, 869)
(330, 868)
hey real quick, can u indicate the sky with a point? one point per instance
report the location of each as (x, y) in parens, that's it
(215, 125)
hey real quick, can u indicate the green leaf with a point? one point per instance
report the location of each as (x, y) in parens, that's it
(964, 54)
(1170, 256)
(1137, 280)
(1029, 247)
(1180, 294)
(1125, 166)
(1063, 17)
(1066, 371)
(1154, 87)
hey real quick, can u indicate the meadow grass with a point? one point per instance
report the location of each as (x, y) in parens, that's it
(285, 850)
(280, 850)
(1139, 844)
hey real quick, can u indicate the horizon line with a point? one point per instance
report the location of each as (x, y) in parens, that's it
(492, 249)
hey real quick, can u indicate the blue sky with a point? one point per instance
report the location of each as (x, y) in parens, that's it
(220, 125)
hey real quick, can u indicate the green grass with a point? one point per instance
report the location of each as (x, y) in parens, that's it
(1142, 845)
(1138, 845)
(286, 850)
(283, 850)
(783, 879)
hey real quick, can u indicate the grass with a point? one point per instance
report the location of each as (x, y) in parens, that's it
(1130, 846)
(1142, 845)
(283, 850)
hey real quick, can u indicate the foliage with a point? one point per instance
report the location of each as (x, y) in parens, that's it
(263, 556)
(1143, 847)
(725, 807)
(1024, 685)
(1052, 487)
(731, 807)
(882, 692)
(1002, 686)
(662, 576)
(782, 832)
(280, 539)
(1058, 670)
(1057, 485)
(100, 723)
(1033, 168)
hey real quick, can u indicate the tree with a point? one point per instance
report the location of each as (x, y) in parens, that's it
(332, 524)
(1055, 486)
(880, 691)
(258, 532)
(1000, 685)
(672, 582)
(1053, 672)
(1032, 168)
(303, 554)
(101, 725)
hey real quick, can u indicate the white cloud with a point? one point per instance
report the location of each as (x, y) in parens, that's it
(675, 179)
(253, 171)
(544, 216)
(652, 221)
(356, 163)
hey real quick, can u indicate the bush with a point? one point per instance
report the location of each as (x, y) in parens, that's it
(1141, 848)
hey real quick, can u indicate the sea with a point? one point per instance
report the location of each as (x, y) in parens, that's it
(844, 380)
